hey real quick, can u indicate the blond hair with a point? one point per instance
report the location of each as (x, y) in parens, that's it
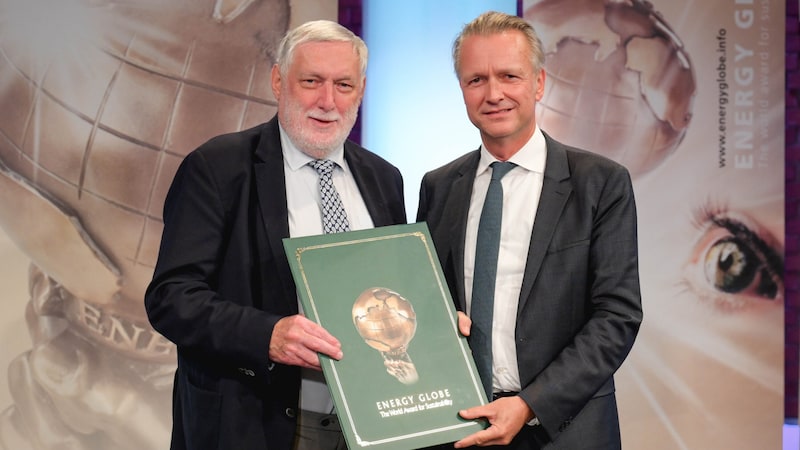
(493, 22)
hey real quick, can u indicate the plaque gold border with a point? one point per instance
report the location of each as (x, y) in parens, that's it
(297, 248)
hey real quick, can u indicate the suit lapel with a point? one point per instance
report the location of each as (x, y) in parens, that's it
(271, 189)
(556, 190)
(368, 186)
(455, 216)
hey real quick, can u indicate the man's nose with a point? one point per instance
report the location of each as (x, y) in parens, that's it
(326, 96)
(494, 90)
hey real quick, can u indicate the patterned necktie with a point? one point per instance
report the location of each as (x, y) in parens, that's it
(486, 248)
(334, 218)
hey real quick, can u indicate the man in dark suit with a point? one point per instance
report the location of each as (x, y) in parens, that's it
(567, 305)
(222, 288)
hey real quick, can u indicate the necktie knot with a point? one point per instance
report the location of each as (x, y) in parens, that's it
(501, 168)
(322, 166)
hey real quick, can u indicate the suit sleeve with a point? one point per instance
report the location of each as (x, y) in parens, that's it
(422, 206)
(585, 366)
(183, 300)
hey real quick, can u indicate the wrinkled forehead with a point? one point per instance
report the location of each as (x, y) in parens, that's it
(332, 58)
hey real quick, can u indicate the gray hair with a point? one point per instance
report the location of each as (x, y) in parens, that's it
(319, 31)
(493, 22)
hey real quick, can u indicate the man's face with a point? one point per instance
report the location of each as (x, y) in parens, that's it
(500, 89)
(318, 98)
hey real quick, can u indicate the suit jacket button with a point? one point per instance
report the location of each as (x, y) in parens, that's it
(290, 413)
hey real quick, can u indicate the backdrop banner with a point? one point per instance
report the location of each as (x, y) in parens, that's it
(689, 95)
(101, 101)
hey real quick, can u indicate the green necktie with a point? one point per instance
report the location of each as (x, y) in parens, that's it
(486, 248)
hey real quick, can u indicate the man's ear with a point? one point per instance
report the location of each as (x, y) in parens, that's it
(276, 81)
(539, 85)
(363, 89)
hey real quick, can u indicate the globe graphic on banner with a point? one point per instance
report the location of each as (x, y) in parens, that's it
(102, 100)
(107, 102)
(618, 80)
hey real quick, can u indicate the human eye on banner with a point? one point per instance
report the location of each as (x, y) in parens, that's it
(689, 96)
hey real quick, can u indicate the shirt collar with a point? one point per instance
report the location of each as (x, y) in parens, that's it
(532, 156)
(296, 159)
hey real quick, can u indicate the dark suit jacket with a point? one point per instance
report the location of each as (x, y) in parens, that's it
(222, 281)
(579, 307)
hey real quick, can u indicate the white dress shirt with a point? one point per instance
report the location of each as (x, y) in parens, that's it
(522, 187)
(305, 219)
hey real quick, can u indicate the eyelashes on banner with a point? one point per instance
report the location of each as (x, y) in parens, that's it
(736, 262)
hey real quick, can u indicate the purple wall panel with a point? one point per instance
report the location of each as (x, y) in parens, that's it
(792, 275)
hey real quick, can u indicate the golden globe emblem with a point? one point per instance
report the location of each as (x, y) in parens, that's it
(387, 322)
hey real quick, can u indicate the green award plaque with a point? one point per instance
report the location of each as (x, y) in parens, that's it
(406, 370)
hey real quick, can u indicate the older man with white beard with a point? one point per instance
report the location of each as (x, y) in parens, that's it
(222, 289)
